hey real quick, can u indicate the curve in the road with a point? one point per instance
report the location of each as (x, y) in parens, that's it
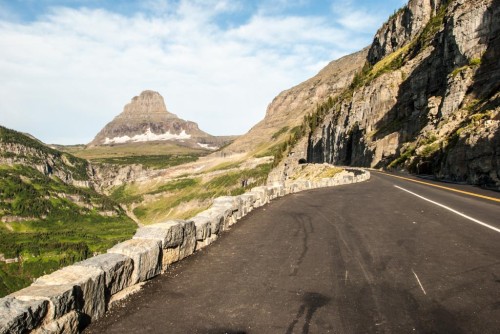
(363, 258)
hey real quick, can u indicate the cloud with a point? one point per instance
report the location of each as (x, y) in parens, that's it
(362, 19)
(69, 72)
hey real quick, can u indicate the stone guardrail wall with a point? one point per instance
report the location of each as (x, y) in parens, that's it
(67, 300)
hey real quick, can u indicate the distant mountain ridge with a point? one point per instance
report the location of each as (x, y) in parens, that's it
(146, 119)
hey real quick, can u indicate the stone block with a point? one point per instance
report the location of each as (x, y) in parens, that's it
(227, 201)
(69, 323)
(249, 199)
(146, 256)
(227, 216)
(170, 255)
(170, 233)
(18, 316)
(117, 269)
(202, 225)
(200, 244)
(278, 189)
(248, 202)
(264, 194)
(61, 298)
(216, 219)
(189, 241)
(271, 192)
(89, 284)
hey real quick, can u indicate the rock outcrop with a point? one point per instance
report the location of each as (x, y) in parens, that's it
(146, 119)
(20, 149)
(426, 98)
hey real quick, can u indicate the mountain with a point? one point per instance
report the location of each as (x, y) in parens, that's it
(288, 109)
(424, 97)
(50, 213)
(146, 119)
(427, 99)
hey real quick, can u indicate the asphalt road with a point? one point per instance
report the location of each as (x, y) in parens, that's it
(363, 258)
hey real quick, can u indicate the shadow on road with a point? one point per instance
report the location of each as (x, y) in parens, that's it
(311, 301)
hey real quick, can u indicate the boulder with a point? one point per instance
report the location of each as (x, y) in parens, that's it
(117, 269)
(202, 225)
(227, 201)
(248, 202)
(170, 255)
(61, 298)
(216, 220)
(261, 197)
(189, 241)
(18, 316)
(170, 233)
(228, 217)
(144, 253)
(89, 284)
(69, 323)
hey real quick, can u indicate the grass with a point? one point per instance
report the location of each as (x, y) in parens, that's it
(133, 149)
(330, 172)
(316, 172)
(124, 195)
(184, 197)
(269, 150)
(280, 132)
(176, 185)
(474, 62)
(405, 155)
(225, 166)
(151, 161)
(156, 155)
(55, 224)
(391, 62)
(429, 150)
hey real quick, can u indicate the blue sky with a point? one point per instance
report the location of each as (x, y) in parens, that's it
(69, 66)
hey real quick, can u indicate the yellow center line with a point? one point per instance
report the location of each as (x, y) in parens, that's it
(442, 187)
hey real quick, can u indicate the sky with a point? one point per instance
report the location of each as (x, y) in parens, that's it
(68, 67)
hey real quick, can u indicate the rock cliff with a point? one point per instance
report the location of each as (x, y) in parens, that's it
(20, 149)
(146, 119)
(426, 98)
(289, 107)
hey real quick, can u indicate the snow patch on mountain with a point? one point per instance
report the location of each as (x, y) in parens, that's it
(147, 136)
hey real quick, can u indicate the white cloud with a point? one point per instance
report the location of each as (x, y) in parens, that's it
(355, 18)
(70, 72)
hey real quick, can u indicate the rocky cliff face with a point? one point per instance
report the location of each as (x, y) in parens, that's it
(19, 149)
(427, 98)
(35, 176)
(146, 118)
(287, 110)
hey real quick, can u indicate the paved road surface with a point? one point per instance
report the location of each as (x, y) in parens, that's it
(363, 258)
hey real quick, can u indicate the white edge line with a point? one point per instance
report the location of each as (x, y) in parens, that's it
(421, 286)
(452, 210)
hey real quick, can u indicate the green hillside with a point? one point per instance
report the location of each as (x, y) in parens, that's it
(46, 222)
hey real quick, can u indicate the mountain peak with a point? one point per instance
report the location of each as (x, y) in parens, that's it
(146, 118)
(147, 103)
